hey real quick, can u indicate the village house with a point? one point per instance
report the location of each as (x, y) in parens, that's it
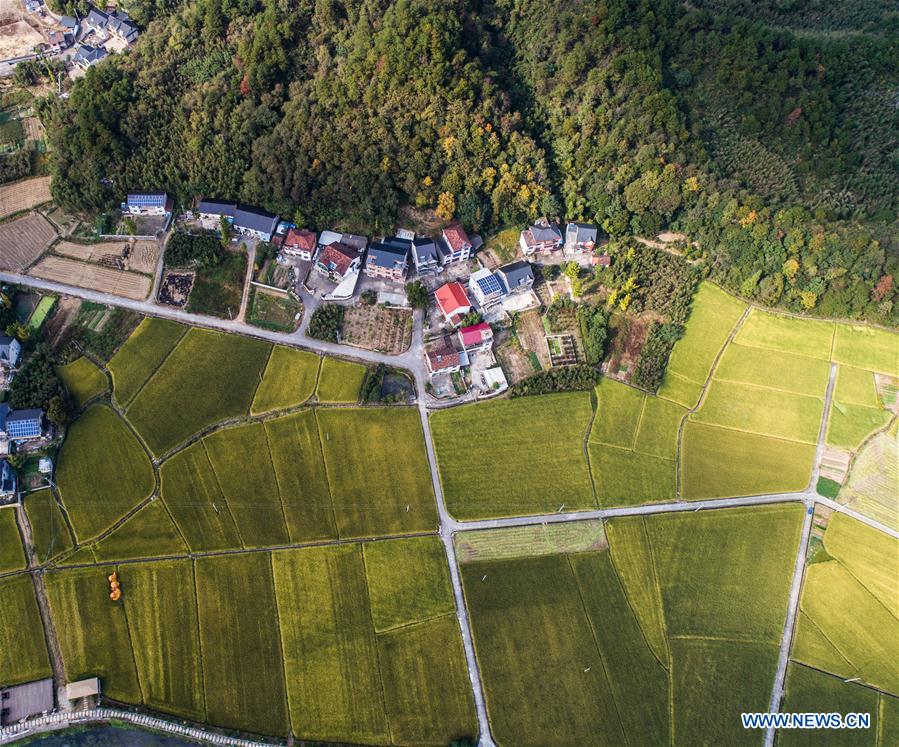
(87, 56)
(517, 277)
(337, 260)
(600, 260)
(68, 23)
(542, 237)
(212, 211)
(55, 42)
(116, 24)
(20, 425)
(300, 243)
(147, 203)
(444, 358)
(388, 258)
(426, 256)
(454, 244)
(580, 238)
(476, 338)
(453, 302)
(255, 222)
(486, 287)
(33, 6)
(10, 351)
(8, 484)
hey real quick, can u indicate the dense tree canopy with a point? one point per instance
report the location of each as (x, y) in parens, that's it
(775, 152)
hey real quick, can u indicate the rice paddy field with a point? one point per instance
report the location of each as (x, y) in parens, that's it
(289, 380)
(339, 381)
(857, 411)
(12, 555)
(23, 650)
(141, 354)
(849, 622)
(208, 377)
(148, 533)
(83, 380)
(49, 530)
(633, 446)
(712, 318)
(515, 457)
(673, 629)
(103, 471)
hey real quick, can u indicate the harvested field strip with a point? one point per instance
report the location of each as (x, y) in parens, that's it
(638, 681)
(23, 240)
(162, 619)
(530, 540)
(774, 369)
(49, 530)
(544, 680)
(871, 487)
(289, 379)
(296, 455)
(92, 630)
(192, 494)
(148, 533)
(24, 651)
(713, 682)
(408, 581)
(208, 377)
(243, 466)
(330, 652)
(103, 471)
(523, 471)
(627, 478)
(867, 347)
(377, 492)
(12, 554)
(632, 557)
(91, 252)
(242, 662)
(83, 380)
(24, 195)
(93, 277)
(768, 412)
(720, 462)
(809, 337)
(427, 692)
(141, 354)
(736, 565)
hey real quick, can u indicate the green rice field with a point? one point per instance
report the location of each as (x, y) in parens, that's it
(848, 426)
(774, 369)
(23, 650)
(498, 459)
(289, 379)
(83, 380)
(807, 337)
(148, 533)
(208, 377)
(339, 380)
(49, 530)
(378, 471)
(711, 320)
(141, 354)
(867, 347)
(103, 471)
(855, 386)
(12, 555)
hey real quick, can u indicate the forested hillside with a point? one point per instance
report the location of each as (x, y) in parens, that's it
(773, 145)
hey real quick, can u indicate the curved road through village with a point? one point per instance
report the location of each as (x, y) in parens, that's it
(413, 360)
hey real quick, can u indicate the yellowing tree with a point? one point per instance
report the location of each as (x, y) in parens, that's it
(446, 206)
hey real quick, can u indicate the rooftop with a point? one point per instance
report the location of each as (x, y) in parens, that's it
(452, 297)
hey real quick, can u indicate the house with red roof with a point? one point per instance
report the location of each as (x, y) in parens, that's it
(477, 337)
(444, 357)
(299, 242)
(453, 302)
(454, 244)
(337, 260)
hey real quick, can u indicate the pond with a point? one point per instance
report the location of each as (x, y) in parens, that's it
(107, 736)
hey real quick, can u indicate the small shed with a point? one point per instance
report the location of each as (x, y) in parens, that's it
(45, 465)
(83, 688)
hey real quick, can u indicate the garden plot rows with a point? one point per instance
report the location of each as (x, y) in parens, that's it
(340, 643)
(93, 277)
(23, 240)
(670, 633)
(137, 256)
(24, 195)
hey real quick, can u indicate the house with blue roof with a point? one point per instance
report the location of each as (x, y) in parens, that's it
(388, 258)
(20, 425)
(147, 203)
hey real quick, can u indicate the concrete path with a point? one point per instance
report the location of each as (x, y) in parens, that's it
(251, 259)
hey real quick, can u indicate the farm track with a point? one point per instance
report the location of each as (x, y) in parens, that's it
(448, 526)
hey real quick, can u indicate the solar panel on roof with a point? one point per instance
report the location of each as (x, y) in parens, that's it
(489, 284)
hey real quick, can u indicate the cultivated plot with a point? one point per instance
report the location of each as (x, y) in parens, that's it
(23, 650)
(25, 194)
(23, 240)
(148, 533)
(93, 277)
(103, 471)
(208, 377)
(812, 338)
(141, 354)
(289, 379)
(515, 457)
(49, 530)
(339, 381)
(12, 554)
(83, 380)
